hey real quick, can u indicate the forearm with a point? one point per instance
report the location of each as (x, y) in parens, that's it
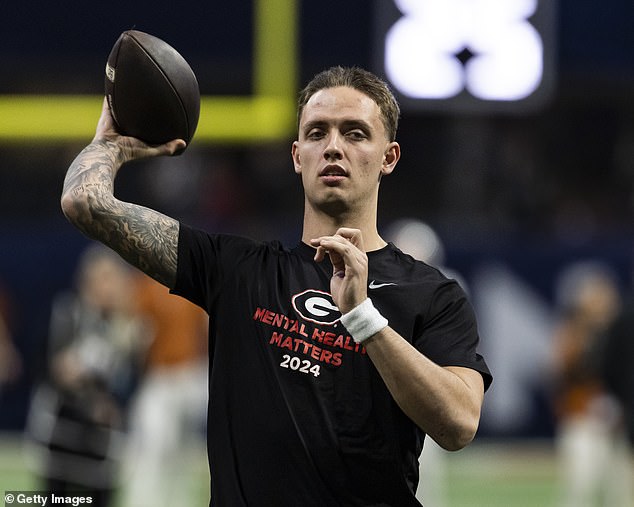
(144, 237)
(437, 399)
(443, 402)
(89, 185)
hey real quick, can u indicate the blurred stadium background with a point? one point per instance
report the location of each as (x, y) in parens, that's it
(517, 190)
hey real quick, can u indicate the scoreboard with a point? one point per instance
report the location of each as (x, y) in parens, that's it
(467, 55)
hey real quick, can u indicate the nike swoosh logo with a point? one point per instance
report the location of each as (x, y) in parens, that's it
(374, 285)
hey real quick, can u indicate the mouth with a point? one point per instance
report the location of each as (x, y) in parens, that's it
(332, 174)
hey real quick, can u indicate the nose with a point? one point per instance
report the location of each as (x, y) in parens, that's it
(333, 148)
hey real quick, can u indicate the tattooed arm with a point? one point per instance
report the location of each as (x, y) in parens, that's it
(145, 238)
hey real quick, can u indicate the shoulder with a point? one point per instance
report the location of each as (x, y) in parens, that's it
(400, 266)
(207, 262)
(192, 237)
(409, 285)
(221, 253)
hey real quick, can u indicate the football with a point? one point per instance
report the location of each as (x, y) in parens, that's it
(151, 90)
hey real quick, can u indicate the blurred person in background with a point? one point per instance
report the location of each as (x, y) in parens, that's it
(76, 418)
(10, 360)
(618, 369)
(590, 435)
(422, 242)
(168, 411)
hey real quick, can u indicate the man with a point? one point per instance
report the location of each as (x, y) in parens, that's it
(10, 360)
(319, 395)
(168, 410)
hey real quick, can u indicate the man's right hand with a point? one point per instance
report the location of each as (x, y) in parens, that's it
(131, 148)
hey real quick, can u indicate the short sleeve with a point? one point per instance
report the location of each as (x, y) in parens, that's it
(449, 334)
(204, 261)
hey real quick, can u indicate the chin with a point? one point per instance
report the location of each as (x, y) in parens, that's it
(332, 206)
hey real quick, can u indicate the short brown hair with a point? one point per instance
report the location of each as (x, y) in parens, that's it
(361, 80)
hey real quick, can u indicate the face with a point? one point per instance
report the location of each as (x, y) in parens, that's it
(342, 150)
(106, 285)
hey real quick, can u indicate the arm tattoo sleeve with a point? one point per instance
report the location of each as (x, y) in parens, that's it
(145, 238)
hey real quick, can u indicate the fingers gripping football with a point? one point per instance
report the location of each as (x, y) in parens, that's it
(131, 148)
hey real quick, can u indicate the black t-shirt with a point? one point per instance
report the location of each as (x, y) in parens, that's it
(298, 415)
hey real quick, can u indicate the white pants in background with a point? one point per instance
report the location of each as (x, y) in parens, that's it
(166, 455)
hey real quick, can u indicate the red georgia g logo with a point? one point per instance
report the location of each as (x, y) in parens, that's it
(316, 306)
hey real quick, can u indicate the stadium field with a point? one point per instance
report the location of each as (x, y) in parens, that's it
(486, 474)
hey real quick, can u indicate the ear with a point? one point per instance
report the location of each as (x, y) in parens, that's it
(391, 157)
(295, 155)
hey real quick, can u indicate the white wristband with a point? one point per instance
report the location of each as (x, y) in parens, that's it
(363, 321)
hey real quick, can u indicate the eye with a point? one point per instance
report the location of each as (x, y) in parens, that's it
(356, 135)
(315, 134)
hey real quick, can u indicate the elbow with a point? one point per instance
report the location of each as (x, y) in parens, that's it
(72, 207)
(76, 208)
(68, 206)
(459, 441)
(458, 435)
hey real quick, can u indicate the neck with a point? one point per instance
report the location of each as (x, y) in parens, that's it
(318, 223)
